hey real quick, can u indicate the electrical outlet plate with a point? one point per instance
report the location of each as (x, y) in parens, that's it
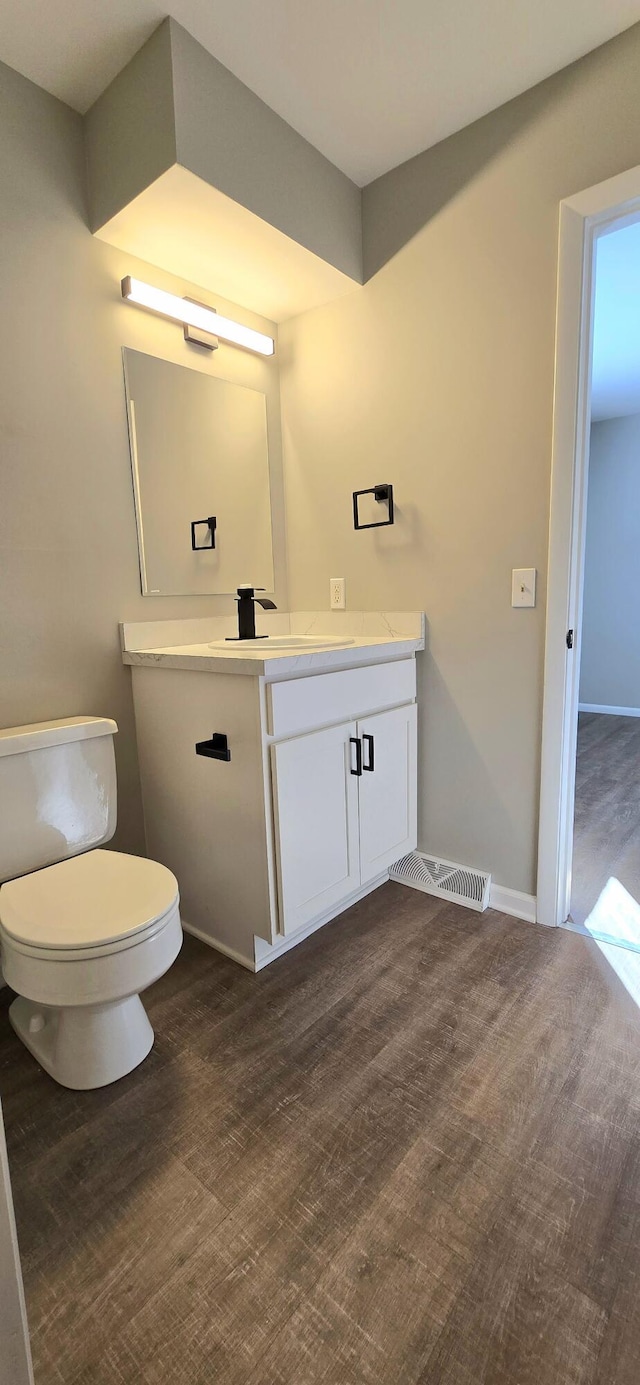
(337, 600)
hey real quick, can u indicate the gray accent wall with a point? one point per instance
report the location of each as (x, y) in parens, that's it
(130, 132)
(438, 377)
(230, 138)
(610, 663)
(569, 132)
(175, 103)
(68, 551)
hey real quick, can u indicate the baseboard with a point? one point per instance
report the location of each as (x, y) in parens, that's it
(609, 711)
(218, 946)
(514, 902)
(267, 952)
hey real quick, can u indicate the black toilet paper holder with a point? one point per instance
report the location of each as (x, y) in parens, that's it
(215, 749)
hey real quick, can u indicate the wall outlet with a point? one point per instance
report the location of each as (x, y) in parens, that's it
(337, 601)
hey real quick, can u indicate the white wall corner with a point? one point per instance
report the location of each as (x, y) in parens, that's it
(217, 946)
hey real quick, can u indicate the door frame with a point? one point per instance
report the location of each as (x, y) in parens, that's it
(583, 219)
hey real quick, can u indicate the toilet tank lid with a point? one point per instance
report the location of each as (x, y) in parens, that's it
(15, 740)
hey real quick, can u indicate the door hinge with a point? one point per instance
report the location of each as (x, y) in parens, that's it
(569, 639)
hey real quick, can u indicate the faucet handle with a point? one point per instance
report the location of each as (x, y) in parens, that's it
(247, 592)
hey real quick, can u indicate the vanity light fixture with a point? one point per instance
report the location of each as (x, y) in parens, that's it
(207, 319)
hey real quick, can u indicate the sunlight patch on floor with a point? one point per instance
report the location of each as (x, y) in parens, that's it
(615, 919)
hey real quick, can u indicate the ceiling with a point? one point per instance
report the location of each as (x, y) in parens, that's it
(368, 82)
(616, 333)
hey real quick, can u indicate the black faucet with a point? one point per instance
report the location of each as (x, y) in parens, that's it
(246, 599)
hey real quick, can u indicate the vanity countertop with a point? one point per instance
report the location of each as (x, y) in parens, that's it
(275, 663)
(394, 638)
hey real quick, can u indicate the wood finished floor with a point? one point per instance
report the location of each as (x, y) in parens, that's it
(408, 1153)
(606, 837)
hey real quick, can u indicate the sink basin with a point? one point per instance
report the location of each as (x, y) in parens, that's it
(284, 642)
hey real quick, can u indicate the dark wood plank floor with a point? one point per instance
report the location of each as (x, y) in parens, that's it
(408, 1153)
(606, 837)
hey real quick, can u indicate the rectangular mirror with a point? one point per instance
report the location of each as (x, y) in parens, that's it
(200, 465)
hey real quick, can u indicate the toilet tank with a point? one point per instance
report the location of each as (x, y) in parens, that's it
(57, 791)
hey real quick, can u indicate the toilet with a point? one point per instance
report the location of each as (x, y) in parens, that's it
(82, 931)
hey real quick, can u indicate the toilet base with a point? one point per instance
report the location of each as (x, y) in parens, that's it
(84, 1046)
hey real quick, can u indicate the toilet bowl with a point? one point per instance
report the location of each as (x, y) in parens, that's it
(82, 937)
(79, 942)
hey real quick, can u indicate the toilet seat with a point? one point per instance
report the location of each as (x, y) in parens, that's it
(61, 955)
(87, 906)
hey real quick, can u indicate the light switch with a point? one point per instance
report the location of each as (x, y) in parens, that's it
(523, 586)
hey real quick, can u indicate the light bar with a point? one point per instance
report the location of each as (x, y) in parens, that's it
(194, 315)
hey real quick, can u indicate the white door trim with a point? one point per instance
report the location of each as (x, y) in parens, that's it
(583, 219)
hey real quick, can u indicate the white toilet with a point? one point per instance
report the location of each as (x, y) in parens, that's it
(87, 930)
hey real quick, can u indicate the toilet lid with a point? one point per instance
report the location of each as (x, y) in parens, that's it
(86, 901)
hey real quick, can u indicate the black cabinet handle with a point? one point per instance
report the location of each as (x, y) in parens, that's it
(215, 749)
(369, 743)
(355, 740)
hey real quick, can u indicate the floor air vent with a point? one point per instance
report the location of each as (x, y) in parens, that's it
(443, 878)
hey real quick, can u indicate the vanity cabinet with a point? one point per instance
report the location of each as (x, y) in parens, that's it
(387, 794)
(317, 800)
(344, 810)
(316, 824)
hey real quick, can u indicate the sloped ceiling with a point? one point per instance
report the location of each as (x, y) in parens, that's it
(368, 82)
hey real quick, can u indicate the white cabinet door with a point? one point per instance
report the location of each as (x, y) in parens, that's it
(388, 789)
(316, 820)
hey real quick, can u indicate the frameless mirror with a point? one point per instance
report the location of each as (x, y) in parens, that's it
(200, 465)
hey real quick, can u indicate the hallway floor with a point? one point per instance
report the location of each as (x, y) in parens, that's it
(607, 825)
(408, 1153)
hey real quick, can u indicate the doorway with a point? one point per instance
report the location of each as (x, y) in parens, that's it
(589, 847)
(606, 830)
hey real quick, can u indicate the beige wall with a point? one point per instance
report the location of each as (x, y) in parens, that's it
(610, 663)
(68, 554)
(438, 377)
